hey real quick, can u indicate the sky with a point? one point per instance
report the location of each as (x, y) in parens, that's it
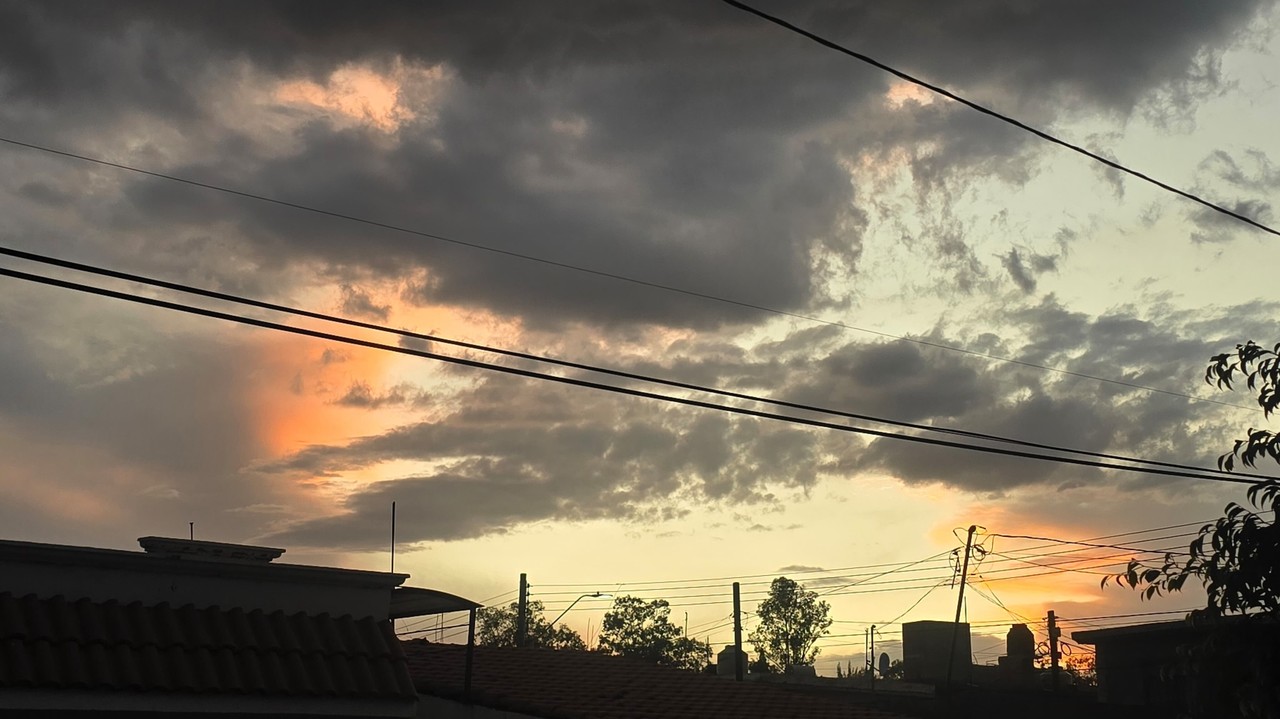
(794, 224)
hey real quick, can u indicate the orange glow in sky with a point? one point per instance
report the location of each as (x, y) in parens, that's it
(358, 93)
(296, 386)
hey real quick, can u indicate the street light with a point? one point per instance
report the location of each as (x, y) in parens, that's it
(593, 595)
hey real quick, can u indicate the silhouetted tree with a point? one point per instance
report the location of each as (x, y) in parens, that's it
(792, 620)
(643, 630)
(496, 627)
(1233, 673)
(759, 665)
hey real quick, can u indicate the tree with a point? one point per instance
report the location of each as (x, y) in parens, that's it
(1233, 672)
(643, 630)
(1081, 670)
(1237, 557)
(496, 627)
(792, 620)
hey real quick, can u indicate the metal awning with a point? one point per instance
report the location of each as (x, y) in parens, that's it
(419, 602)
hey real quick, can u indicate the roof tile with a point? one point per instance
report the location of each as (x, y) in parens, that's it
(53, 643)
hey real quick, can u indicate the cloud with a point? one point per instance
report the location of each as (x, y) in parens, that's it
(685, 144)
(361, 395)
(360, 304)
(1024, 272)
(507, 452)
(642, 146)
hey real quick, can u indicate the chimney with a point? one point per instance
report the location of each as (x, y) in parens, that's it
(198, 550)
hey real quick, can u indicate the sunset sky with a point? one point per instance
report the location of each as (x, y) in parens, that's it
(903, 246)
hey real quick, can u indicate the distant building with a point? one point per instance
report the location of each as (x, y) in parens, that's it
(1129, 661)
(192, 628)
(933, 650)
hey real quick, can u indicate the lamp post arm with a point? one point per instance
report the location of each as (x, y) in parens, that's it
(566, 610)
(593, 595)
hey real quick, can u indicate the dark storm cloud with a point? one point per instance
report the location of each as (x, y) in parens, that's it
(684, 143)
(1167, 352)
(514, 453)
(511, 453)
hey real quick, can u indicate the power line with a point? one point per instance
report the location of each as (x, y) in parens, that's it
(599, 273)
(1208, 475)
(1060, 565)
(1062, 555)
(999, 116)
(667, 584)
(764, 592)
(1022, 556)
(1126, 616)
(1069, 541)
(934, 557)
(430, 629)
(1129, 534)
(275, 307)
(914, 604)
(986, 576)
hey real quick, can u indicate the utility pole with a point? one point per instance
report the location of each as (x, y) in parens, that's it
(871, 658)
(1054, 653)
(522, 612)
(955, 628)
(738, 669)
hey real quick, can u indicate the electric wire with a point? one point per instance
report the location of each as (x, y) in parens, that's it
(1126, 616)
(934, 557)
(1009, 556)
(1069, 541)
(1020, 555)
(1001, 117)
(811, 582)
(430, 629)
(914, 604)
(728, 578)
(265, 324)
(587, 270)
(613, 372)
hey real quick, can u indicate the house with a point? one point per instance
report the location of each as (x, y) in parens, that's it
(1139, 664)
(1130, 659)
(195, 628)
(515, 683)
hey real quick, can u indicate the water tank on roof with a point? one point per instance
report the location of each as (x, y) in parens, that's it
(725, 662)
(1020, 647)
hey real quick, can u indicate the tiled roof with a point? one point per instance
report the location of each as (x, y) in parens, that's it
(56, 644)
(588, 685)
